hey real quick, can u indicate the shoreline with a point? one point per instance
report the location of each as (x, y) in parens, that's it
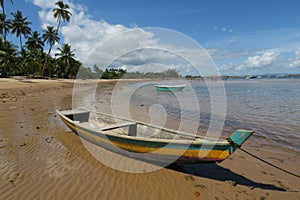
(39, 153)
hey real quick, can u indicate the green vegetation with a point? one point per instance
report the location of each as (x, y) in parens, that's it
(170, 73)
(117, 73)
(31, 59)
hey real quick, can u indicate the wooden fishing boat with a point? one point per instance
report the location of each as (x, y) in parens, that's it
(147, 142)
(170, 87)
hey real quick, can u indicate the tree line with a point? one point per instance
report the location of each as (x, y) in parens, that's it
(117, 73)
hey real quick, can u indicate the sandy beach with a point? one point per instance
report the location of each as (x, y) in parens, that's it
(42, 159)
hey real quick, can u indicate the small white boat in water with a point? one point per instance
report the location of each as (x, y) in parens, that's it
(170, 87)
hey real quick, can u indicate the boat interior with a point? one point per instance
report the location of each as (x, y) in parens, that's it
(109, 124)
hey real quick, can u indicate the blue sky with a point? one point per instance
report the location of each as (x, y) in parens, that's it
(242, 37)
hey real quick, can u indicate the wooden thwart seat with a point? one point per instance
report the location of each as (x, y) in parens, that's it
(131, 131)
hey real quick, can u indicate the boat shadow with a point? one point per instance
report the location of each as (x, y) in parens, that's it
(217, 172)
(204, 170)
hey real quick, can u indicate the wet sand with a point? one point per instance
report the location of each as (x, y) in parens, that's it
(42, 159)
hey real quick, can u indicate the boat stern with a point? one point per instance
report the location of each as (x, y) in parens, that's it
(239, 137)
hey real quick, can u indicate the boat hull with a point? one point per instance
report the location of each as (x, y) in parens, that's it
(155, 151)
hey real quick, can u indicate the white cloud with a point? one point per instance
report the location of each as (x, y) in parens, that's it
(47, 19)
(266, 59)
(82, 33)
(98, 42)
(226, 29)
(44, 4)
(226, 67)
(297, 53)
(295, 62)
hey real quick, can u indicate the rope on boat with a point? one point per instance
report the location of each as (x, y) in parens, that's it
(266, 162)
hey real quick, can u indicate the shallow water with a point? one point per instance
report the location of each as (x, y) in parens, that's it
(269, 107)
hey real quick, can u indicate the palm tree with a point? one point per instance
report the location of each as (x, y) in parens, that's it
(23, 62)
(20, 26)
(66, 59)
(34, 61)
(8, 57)
(50, 36)
(61, 13)
(4, 26)
(2, 5)
(35, 41)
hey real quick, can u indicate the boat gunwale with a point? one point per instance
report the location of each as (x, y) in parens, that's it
(194, 141)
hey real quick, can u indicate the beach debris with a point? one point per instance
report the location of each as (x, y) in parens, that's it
(264, 172)
(49, 139)
(12, 181)
(200, 186)
(22, 145)
(38, 127)
(197, 194)
(281, 184)
(231, 182)
(189, 178)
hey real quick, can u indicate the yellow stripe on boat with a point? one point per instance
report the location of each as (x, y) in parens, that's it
(213, 154)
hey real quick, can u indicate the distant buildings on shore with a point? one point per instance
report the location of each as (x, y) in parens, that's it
(265, 76)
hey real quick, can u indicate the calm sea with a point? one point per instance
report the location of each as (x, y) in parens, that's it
(269, 107)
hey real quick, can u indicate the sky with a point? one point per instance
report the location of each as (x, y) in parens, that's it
(238, 37)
